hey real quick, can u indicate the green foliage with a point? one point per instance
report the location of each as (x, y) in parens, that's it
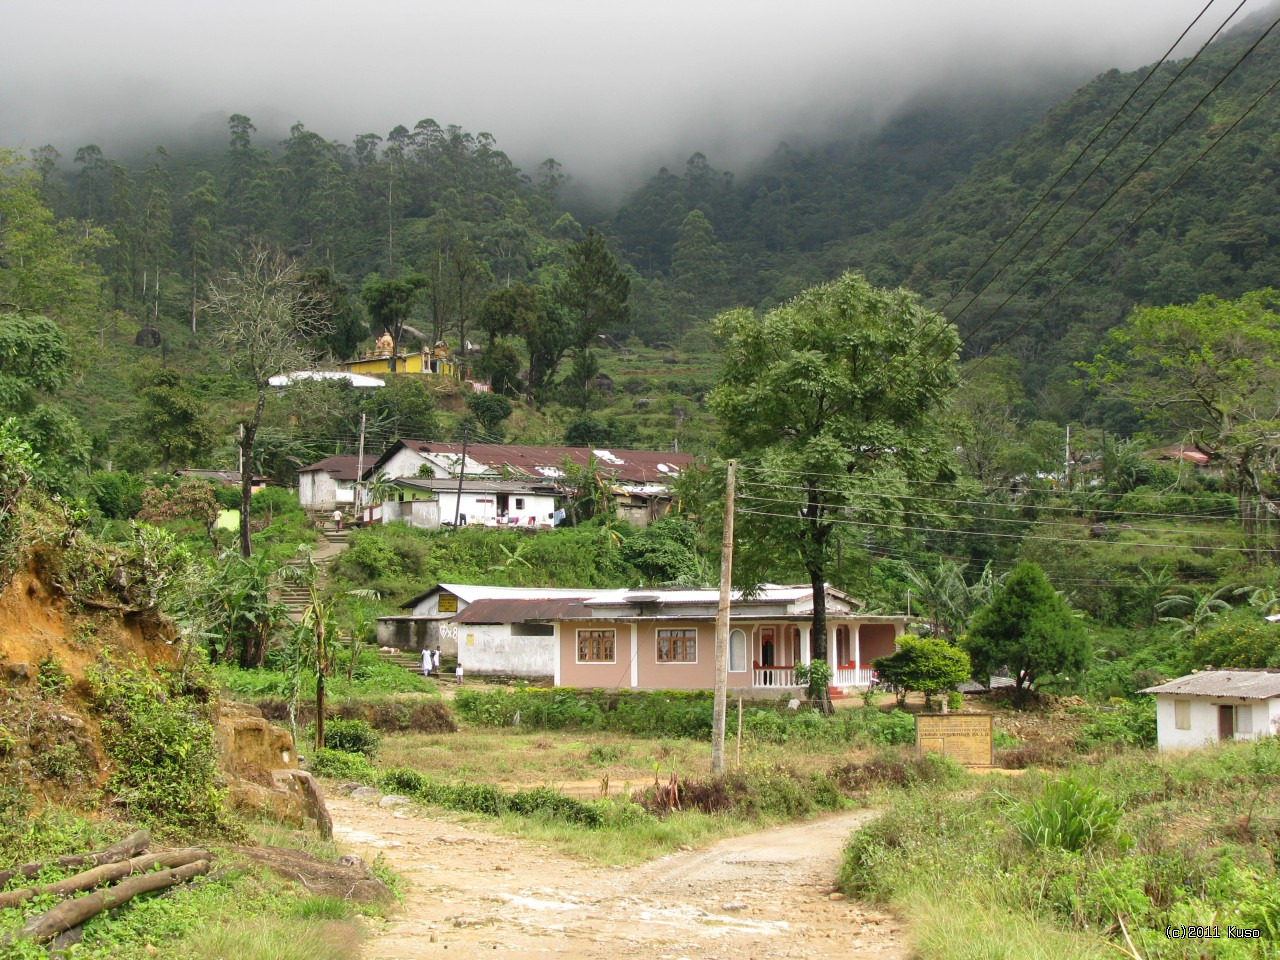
(925, 664)
(757, 792)
(116, 494)
(1130, 723)
(1069, 815)
(159, 737)
(1029, 629)
(351, 736)
(832, 403)
(490, 411)
(341, 765)
(1241, 641)
(51, 678)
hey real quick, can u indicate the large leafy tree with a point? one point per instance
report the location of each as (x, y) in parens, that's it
(1208, 371)
(831, 403)
(390, 302)
(267, 320)
(594, 294)
(1028, 628)
(171, 422)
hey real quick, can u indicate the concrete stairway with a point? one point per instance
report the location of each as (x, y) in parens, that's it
(295, 596)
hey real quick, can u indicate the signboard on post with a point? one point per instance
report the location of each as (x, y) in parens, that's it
(964, 737)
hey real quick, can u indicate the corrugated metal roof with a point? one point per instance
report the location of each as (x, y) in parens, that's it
(631, 466)
(1248, 684)
(342, 467)
(518, 611)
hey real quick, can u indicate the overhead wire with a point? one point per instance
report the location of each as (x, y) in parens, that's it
(1055, 508)
(993, 534)
(1111, 196)
(1076, 160)
(1016, 521)
(1129, 226)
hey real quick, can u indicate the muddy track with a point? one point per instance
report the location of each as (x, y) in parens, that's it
(472, 893)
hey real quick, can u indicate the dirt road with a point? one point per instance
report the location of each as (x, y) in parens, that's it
(472, 893)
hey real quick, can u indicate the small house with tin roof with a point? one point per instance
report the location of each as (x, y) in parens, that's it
(1215, 705)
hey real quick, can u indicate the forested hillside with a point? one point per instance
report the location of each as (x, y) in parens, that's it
(485, 252)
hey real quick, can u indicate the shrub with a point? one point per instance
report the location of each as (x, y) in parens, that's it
(159, 738)
(351, 736)
(1129, 723)
(341, 766)
(1069, 815)
(888, 769)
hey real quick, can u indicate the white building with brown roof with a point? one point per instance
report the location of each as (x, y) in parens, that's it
(1216, 705)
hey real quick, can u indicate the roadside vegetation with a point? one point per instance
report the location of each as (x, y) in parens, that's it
(1086, 861)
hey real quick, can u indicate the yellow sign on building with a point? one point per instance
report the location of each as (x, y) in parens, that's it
(447, 603)
(964, 737)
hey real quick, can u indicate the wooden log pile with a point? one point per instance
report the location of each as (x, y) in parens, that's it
(116, 875)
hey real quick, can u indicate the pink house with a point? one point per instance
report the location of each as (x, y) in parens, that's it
(665, 639)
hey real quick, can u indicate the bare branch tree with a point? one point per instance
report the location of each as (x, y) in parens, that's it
(268, 321)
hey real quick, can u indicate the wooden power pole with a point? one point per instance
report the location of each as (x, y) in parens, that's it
(722, 627)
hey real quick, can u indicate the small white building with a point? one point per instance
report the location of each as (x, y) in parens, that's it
(431, 503)
(329, 483)
(430, 620)
(1216, 705)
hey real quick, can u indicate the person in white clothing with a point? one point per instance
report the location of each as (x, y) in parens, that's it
(457, 673)
(435, 661)
(426, 662)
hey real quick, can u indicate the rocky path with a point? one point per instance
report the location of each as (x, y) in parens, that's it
(473, 893)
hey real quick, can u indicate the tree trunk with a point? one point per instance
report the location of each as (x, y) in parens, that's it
(246, 471)
(130, 846)
(107, 873)
(320, 709)
(72, 913)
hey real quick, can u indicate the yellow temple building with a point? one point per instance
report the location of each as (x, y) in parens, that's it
(383, 359)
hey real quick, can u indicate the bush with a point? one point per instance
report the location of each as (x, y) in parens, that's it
(1130, 723)
(341, 766)
(1069, 815)
(763, 791)
(905, 770)
(351, 736)
(159, 738)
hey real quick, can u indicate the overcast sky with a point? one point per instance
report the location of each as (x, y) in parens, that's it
(606, 87)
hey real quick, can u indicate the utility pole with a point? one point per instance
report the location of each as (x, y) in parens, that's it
(1066, 468)
(360, 472)
(240, 451)
(722, 627)
(462, 472)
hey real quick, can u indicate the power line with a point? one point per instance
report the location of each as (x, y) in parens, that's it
(1018, 521)
(1111, 196)
(1078, 157)
(1106, 156)
(1129, 226)
(950, 484)
(985, 503)
(1002, 536)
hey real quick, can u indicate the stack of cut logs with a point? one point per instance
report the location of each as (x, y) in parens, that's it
(123, 872)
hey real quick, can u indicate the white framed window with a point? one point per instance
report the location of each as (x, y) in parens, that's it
(1182, 714)
(737, 651)
(596, 646)
(677, 646)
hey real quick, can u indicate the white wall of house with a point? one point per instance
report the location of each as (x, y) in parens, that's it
(1253, 719)
(484, 507)
(416, 513)
(403, 463)
(315, 490)
(490, 649)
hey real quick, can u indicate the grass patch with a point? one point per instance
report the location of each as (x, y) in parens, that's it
(1148, 840)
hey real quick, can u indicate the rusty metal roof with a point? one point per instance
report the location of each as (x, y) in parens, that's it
(1247, 684)
(633, 466)
(519, 611)
(341, 467)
